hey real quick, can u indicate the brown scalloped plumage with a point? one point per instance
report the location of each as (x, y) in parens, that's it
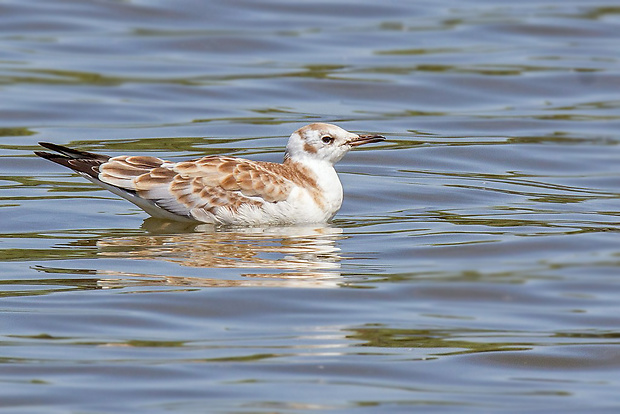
(207, 183)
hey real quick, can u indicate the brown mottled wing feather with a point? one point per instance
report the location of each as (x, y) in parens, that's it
(192, 187)
(250, 178)
(122, 171)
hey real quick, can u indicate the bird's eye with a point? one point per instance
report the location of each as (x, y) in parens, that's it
(327, 139)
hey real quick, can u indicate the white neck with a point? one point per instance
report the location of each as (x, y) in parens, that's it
(326, 178)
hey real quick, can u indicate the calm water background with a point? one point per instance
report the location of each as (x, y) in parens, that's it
(474, 266)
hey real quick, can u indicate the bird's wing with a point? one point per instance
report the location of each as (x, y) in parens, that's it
(191, 188)
(85, 163)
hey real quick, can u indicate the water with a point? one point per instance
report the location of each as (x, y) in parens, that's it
(473, 267)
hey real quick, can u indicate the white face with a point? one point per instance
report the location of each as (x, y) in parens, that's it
(325, 142)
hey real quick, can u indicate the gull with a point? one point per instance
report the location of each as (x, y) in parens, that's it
(225, 190)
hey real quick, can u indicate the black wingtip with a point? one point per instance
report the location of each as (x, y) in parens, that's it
(46, 155)
(55, 147)
(79, 161)
(72, 153)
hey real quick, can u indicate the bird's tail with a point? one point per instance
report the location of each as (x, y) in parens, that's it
(80, 161)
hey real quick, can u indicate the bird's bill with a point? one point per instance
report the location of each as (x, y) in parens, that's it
(365, 139)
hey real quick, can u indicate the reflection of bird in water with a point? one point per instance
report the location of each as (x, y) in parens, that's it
(227, 190)
(279, 256)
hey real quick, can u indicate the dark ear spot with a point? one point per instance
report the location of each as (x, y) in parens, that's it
(309, 148)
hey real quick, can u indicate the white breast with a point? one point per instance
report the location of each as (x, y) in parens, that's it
(303, 205)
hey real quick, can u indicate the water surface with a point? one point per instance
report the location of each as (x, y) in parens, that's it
(474, 264)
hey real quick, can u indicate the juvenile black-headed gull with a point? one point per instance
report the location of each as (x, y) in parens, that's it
(215, 189)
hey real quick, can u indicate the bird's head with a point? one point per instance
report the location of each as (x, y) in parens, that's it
(324, 142)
